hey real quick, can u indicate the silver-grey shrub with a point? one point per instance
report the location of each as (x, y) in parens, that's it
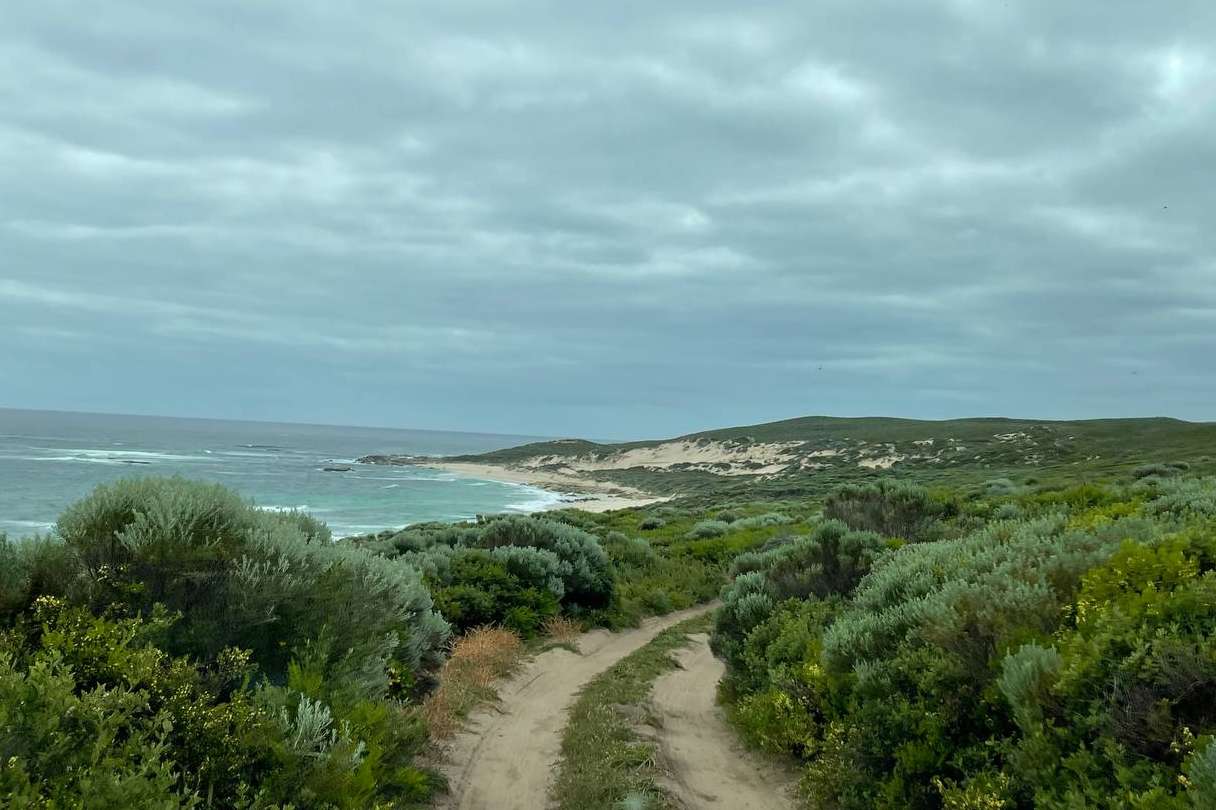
(761, 521)
(705, 529)
(1183, 498)
(963, 594)
(268, 582)
(587, 571)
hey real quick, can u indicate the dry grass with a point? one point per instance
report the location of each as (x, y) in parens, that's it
(477, 659)
(562, 629)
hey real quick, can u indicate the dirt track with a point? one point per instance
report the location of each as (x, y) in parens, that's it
(708, 768)
(505, 758)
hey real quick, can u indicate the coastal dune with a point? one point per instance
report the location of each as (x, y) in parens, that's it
(583, 493)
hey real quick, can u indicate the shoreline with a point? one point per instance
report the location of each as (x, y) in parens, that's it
(574, 492)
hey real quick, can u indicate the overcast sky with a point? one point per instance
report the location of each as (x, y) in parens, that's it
(609, 219)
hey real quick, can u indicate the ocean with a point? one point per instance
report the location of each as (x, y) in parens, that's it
(51, 459)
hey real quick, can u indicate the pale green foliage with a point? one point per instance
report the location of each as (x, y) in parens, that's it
(1201, 773)
(265, 581)
(831, 560)
(288, 589)
(631, 551)
(708, 528)
(535, 566)
(761, 521)
(1182, 498)
(1026, 678)
(587, 571)
(962, 593)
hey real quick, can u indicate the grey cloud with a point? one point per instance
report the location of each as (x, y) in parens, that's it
(610, 219)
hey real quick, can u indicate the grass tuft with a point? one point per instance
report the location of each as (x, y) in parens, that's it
(478, 659)
(605, 765)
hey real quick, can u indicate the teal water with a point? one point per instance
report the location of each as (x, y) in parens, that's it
(50, 459)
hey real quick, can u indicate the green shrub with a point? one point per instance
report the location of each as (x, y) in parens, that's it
(587, 575)
(708, 528)
(1156, 470)
(1060, 662)
(264, 581)
(761, 521)
(829, 562)
(634, 552)
(483, 590)
(890, 508)
(33, 567)
(1185, 498)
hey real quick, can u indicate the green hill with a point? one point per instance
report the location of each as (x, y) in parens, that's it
(793, 455)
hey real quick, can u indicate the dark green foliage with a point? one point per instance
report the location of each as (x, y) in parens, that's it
(481, 587)
(890, 508)
(93, 714)
(1060, 662)
(587, 575)
(179, 648)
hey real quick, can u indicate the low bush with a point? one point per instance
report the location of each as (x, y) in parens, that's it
(587, 572)
(1060, 661)
(890, 508)
(179, 648)
(480, 587)
(708, 528)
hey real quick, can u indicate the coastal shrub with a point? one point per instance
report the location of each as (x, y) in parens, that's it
(890, 508)
(287, 592)
(727, 516)
(746, 602)
(482, 590)
(95, 715)
(32, 567)
(761, 521)
(1184, 498)
(264, 581)
(1058, 662)
(831, 561)
(628, 551)
(1000, 486)
(1155, 470)
(1007, 511)
(587, 573)
(708, 528)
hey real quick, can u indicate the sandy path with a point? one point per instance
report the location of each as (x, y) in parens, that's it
(708, 765)
(505, 758)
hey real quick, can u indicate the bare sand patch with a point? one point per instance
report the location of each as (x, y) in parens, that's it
(506, 756)
(707, 765)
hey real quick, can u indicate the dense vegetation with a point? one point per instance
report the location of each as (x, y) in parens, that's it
(824, 452)
(172, 646)
(1002, 643)
(1017, 647)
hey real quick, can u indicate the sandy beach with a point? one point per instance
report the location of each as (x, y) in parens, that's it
(579, 493)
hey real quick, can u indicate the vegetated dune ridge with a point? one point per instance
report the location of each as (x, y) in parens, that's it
(707, 765)
(806, 449)
(505, 757)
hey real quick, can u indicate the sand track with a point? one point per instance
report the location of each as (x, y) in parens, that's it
(707, 765)
(506, 756)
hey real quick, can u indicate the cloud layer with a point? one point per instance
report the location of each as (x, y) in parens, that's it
(609, 219)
